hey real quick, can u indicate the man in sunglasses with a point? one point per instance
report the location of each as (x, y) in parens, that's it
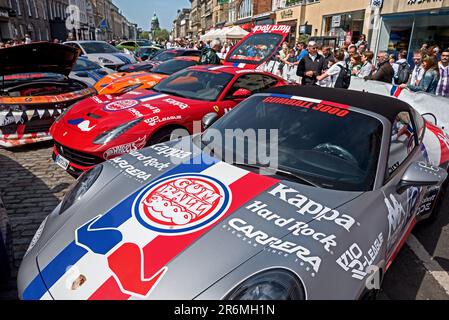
(443, 84)
(311, 66)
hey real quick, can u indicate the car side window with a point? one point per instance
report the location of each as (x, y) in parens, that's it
(251, 82)
(269, 81)
(403, 141)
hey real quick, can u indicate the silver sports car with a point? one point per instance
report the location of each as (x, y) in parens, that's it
(322, 215)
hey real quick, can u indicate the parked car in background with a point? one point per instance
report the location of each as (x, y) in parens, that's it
(158, 58)
(35, 90)
(172, 53)
(146, 53)
(122, 82)
(133, 45)
(88, 71)
(103, 53)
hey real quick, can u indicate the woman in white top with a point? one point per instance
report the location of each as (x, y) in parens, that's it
(367, 67)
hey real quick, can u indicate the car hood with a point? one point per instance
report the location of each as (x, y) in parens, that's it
(116, 58)
(167, 229)
(42, 57)
(91, 117)
(117, 82)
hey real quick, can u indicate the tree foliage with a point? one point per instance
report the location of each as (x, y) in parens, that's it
(161, 35)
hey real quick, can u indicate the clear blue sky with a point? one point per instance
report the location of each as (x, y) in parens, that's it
(141, 11)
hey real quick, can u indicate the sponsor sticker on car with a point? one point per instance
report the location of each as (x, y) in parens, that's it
(120, 105)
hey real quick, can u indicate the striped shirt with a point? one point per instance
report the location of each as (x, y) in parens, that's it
(443, 84)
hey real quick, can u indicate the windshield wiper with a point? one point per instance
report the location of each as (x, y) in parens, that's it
(173, 93)
(279, 172)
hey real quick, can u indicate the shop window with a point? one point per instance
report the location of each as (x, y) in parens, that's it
(345, 25)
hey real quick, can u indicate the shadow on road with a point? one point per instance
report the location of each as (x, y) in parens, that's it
(28, 198)
(407, 278)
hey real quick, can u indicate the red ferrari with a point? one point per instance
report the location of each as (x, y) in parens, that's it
(107, 126)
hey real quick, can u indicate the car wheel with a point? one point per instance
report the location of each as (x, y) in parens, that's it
(166, 134)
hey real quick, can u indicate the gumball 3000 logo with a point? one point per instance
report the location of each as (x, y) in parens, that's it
(121, 105)
(181, 204)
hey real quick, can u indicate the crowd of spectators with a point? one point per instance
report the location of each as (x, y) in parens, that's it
(326, 66)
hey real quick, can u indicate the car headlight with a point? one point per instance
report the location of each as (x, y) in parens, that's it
(37, 236)
(105, 60)
(110, 135)
(81, 187)
(276, 284)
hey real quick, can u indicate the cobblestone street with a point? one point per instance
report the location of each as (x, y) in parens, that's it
(31, 186)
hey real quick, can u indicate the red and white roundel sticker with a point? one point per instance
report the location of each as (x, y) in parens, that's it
(181, 204)
(121, 105)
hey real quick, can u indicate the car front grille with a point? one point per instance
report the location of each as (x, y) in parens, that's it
(77, 157)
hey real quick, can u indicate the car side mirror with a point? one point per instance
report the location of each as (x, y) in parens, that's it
(242, 94)
(421, 174)
(430, 117)
(209, 119)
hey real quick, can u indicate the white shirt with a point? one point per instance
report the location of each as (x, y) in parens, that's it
(334, 71)
(313, 57)
(417, 75)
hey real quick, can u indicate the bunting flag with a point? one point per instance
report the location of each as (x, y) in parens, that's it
(3, 116)
(40, 112)
(17, 116)
(30, 114)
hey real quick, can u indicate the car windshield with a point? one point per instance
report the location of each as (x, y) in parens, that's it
(98, 47)
(195, 84)
(172, 66)
(331, 147)
(147, 50)
(144, 43)
(255, 49)
(165, 55)
(84, 64)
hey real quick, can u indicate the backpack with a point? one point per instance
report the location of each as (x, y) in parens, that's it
(403, 74)
(344, 77)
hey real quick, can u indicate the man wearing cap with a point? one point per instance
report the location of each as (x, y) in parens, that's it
(311, 66)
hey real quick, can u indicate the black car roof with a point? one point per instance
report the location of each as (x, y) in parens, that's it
(388, 107)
